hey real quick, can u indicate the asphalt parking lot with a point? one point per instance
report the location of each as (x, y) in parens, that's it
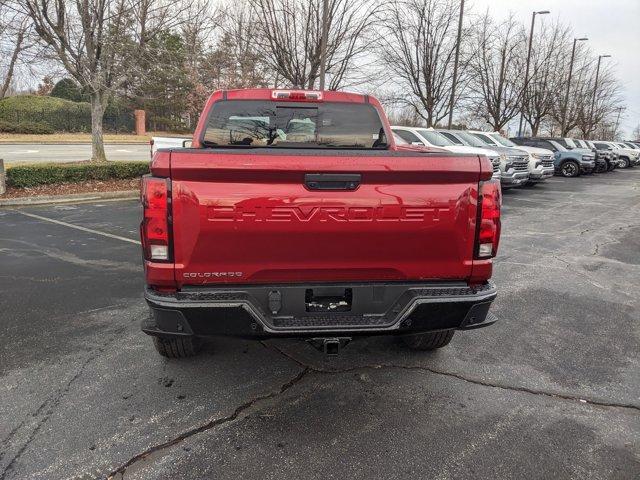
(551, 391)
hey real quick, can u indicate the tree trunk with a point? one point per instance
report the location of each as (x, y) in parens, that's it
(97, 142)
(12, 63)
(534, 129)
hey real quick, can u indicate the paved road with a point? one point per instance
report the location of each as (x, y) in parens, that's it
(551, 391)
(42, 153)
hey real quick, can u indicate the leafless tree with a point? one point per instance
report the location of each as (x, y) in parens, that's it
(608, 128)
(416, 42)
(223, 55)
(15, 41)
(545, 77)
(200, 36)
(243, 65)
(288, 38)
(566, 117)
(599, 104)
(100, 43)
(403, 115)
(497, 67)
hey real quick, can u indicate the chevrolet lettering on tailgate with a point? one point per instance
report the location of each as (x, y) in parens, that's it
(390, 213)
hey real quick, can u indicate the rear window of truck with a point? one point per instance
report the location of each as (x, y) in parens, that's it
(259, 123)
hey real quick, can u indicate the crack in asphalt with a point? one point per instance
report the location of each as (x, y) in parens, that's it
(120, 472)
(53, 402)
(475, 381)
(596, 250)
(586, 276)
(614, 240)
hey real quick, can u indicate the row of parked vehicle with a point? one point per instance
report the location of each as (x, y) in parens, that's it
(527, 160)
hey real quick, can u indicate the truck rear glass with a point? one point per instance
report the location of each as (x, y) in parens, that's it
(260, 123)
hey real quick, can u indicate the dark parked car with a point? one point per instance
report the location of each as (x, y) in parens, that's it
(568, 163)
(602, 162)
(609, 156)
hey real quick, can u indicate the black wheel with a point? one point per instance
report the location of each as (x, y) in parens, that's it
(428, 341)
(180, 347)
(625, 162)
(570, 169)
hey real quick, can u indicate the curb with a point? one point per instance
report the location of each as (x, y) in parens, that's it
(73, 198)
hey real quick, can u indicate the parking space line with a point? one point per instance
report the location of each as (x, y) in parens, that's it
(77, 227)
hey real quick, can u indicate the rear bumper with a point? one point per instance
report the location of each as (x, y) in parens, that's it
(380, 308)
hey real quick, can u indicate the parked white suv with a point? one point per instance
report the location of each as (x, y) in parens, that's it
(430, 138)
(540, 159)
(627, 157)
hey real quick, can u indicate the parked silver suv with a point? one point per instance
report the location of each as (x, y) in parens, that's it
(430, 138)
(540, 159)
(514, 163)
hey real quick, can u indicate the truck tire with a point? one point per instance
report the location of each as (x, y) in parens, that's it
(625, 162)
(428, 341)
(181, 347)
(570, 168)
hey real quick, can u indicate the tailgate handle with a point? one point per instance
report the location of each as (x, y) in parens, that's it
(332, 181)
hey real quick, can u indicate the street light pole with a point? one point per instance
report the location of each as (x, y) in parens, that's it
(615, 129)
(595, 88)
(566, 95)
(455, 65)
(526, 71)
(323, 42)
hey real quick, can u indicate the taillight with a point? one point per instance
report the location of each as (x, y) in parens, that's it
(155, 223)
(488, 228)
(301, 96)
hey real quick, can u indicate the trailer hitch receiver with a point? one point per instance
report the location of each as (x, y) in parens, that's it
(329, 346)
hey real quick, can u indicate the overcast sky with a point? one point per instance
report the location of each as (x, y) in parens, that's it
(612, 26)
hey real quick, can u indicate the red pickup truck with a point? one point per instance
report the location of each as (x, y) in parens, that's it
(295, 214)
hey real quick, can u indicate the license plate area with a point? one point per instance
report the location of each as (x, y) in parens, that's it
(328, 299)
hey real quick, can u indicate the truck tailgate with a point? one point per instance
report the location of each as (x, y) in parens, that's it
(248, 217)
